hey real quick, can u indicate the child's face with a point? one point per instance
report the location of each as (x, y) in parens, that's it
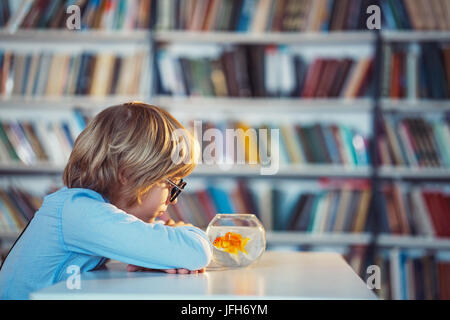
(153, 203)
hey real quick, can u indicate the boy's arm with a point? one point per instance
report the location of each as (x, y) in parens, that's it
(91, 226)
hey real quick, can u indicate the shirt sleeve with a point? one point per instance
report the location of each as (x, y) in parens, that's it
(91, 226)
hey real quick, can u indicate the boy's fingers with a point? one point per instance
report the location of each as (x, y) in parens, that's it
(183, 271)
(132, 268)
(170, 270)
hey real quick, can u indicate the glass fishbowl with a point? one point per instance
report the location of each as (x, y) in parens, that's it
(238, 239)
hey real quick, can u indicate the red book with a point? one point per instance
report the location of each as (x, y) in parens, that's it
(339, 79)
(395, 76)
(326, 79)
(206, 202)
(444, 206)
(433, 211)
(312, 78)
(365, 79)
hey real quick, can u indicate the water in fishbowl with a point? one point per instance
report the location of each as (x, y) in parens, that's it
(236, 246)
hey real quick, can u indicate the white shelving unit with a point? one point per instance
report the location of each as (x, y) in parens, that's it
(295, 106)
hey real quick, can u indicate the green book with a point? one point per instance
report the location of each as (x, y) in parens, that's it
(7, 143)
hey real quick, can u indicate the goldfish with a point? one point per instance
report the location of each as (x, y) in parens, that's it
(231, 242)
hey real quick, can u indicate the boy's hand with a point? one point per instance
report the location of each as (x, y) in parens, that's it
(133, 268)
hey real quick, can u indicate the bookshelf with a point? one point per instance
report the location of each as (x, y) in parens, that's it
(370, 105)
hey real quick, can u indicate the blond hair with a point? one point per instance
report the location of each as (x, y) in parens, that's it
(135, 139)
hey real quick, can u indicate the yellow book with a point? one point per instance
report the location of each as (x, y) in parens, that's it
(249, 143)
(363, 211)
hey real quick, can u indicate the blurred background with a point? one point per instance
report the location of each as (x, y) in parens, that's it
(363, 115)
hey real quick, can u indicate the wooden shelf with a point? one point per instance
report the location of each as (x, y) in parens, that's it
(66, 102)
(393, 172)
(275, 105)
(422, 242)
(411, 36)
(83, 36)
(337, 239)
(289, 171)
(37, 169)
(336, 37)
(303, 238)
(102, 36)
(417, 105)
(270, 105)
(139, 35)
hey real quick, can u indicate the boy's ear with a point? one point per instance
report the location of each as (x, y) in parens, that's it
(122, 178)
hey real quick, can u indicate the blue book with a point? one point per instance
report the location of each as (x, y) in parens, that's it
(221, 200)
(403, 279)
(388, 15)
(313, 212)
(326, 24)
(66, 130)
(348, 142)
(359, 145)
(384, 222)
(248, 9)
(80, 119)
(25, 74)
(333, 213)
(331, 144)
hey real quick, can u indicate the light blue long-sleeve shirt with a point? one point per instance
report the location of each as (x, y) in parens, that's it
(77, 226)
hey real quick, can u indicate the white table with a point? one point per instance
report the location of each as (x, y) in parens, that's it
(277, 275)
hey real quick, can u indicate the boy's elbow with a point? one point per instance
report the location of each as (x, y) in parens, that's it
(202, 255)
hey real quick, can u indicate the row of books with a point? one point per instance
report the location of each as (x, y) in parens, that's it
(330, 210)
(199, 207)
(413, 276)
(415, 141)
(87, 73)
(407, 142)
(40, 141)
(227, 15)
(262, 71)
(261, 15)
(418, 71)
(94, 14)
(298, 143)
(415, 211)
(416, 14)
(17, 207)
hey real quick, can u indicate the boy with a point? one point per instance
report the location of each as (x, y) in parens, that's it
(119, 178)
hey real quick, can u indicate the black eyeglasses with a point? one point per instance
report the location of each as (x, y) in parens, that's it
(177, 188)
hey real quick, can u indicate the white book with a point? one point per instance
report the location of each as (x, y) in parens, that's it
(261, 16)
(18, 15)
(412, 59)
(420, 214)
(271, 66)
(395, 273)
(130, 15)
(49, 142)
(287, 71)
